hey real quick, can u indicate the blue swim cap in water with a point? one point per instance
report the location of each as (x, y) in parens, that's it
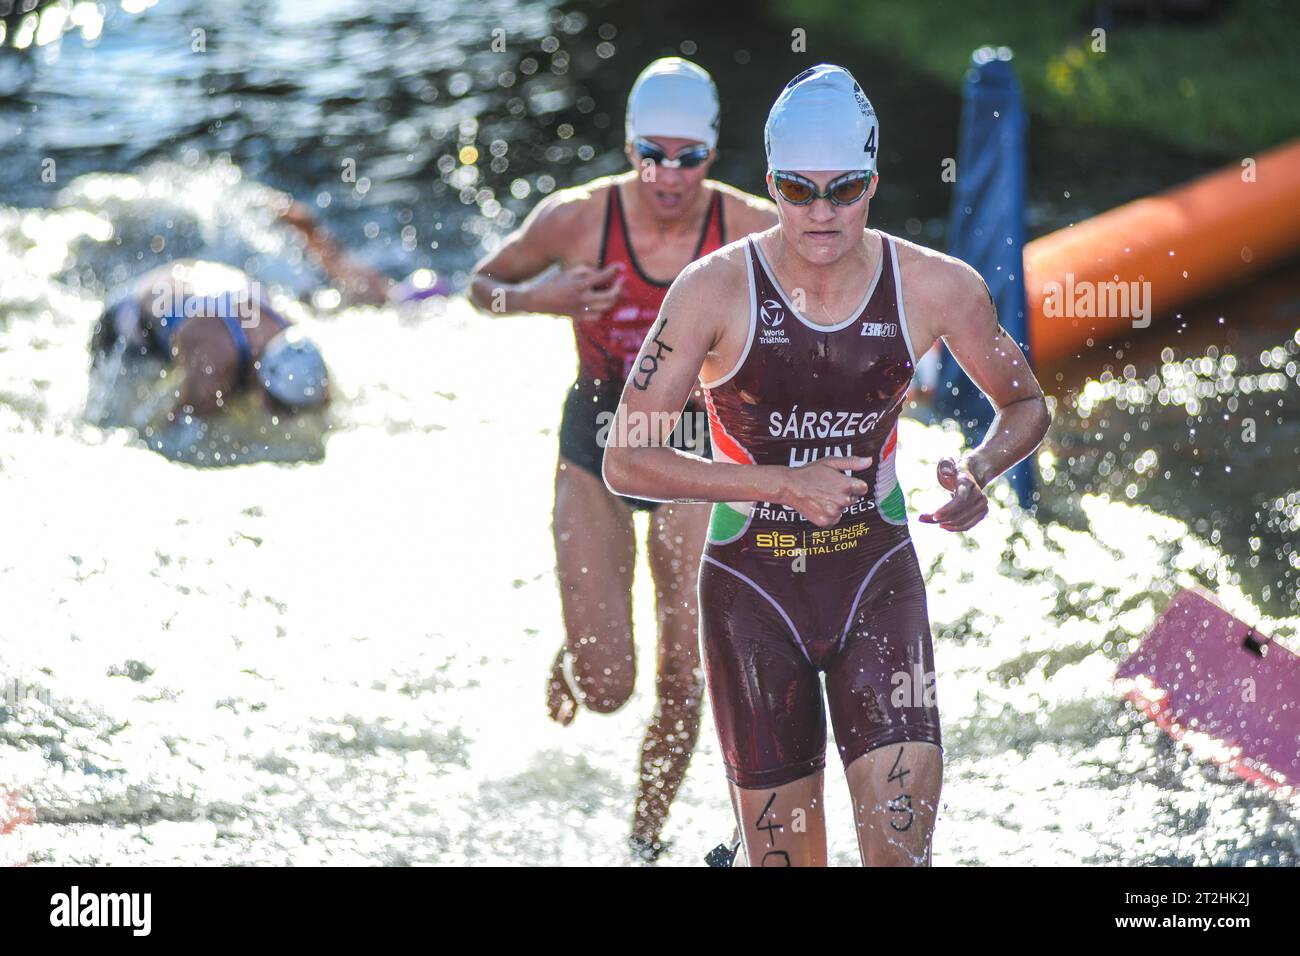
(292, 370)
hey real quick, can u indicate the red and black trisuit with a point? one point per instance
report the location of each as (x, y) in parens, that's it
(608, 345)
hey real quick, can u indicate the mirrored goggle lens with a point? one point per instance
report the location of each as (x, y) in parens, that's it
(793, 191)
(687, 160)
(652, 153)
(850, 192)
(692, 158)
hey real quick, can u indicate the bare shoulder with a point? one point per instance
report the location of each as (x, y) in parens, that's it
(566, 226)
(938, 284)
(935, 270)
(712, 296)
(573, 208)
(744, 212)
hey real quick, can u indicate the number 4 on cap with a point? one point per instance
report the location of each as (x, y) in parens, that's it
(871, 144)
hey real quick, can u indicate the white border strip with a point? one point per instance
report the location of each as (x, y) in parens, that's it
(770, 600)
(853, 317)
(857, 598)
(898, 297)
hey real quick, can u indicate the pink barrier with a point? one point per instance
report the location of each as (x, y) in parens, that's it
(1221, 688)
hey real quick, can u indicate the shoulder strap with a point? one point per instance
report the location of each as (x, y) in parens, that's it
(613, 215)
(706, 230)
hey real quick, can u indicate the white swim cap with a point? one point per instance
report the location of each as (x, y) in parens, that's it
(673, 97)
(292, 370)
(822, 121)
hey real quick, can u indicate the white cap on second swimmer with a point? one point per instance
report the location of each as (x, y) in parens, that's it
(674, 97)
(292, 370)
(822, 121)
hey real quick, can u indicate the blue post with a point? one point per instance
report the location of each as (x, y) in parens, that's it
(987, 229)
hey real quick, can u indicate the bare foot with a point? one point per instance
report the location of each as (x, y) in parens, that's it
(647, 851)
(561, 702)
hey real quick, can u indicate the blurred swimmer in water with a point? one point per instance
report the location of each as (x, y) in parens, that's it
(213, 321)
(215, 325)
(356, 281)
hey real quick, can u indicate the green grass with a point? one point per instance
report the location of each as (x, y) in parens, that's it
(1227, 88)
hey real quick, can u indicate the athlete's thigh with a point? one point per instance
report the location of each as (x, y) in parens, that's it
(881, 689)
(895, 791)
(881, 682)
(595, 551)
(783, 825)
(673, 545)
(766, 696)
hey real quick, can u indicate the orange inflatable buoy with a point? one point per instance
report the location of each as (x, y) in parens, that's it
(1113, 274)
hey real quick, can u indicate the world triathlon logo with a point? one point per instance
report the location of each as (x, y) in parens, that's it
(772, 313)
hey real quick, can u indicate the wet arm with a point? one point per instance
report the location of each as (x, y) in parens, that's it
(637, 461)
(997, 366)
(360, 281)
(503, 282)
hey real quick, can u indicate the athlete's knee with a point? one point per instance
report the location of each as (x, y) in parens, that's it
(606, 699)
(681, 690)
(606, 693)
(679, 658)
(896, 786)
